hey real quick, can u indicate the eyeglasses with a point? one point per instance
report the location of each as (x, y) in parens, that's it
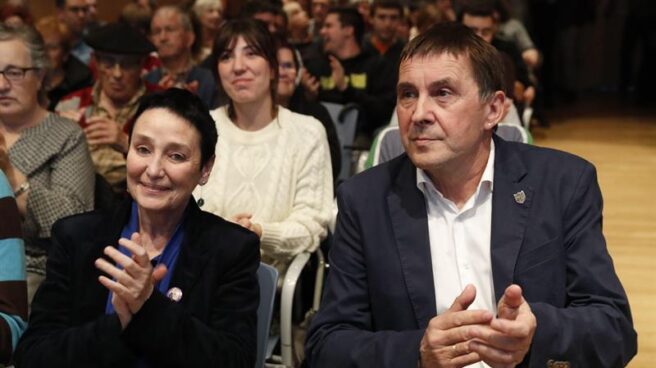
(16, 74)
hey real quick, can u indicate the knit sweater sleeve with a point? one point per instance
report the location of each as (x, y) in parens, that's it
(307, 222)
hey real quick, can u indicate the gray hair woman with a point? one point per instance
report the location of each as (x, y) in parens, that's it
(44, 156)
(210, 16)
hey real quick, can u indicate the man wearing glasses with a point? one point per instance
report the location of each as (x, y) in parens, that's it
(105, 109)
(74, 13)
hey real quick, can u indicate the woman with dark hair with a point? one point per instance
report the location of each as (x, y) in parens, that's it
(273, 173)
(291, 95)
(157, 282)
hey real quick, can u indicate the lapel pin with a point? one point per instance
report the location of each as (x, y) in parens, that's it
(174, 294)
(520, 197)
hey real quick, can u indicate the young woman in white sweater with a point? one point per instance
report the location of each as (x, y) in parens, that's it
(272, 173)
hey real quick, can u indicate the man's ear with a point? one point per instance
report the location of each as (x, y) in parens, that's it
(497, 108)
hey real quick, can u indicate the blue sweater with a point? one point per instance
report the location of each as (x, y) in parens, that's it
(13, 291)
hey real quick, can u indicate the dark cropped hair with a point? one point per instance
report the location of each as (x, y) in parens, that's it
(283, 43)
(386, 4)
(458, 40)
(250, 8)
(257, 36)
(477, 8)
(188, 107)
(350, 17)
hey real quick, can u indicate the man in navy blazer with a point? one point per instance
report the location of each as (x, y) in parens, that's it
(526, 279)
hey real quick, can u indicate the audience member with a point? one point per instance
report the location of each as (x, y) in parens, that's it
(266, 12)
(209, 14)
(105, 110)
(15, 15)
(301, 35)
(298, 29)
(404, 27)
(348, 75)
(137, 17)
(172, 34)
(93, 20)
(462, 251)
(66, 73)
(427, 16)
(273, 173)
(74, 13)
(13, 292)
(44, 156)
(445, 7)
(364, 8)
(385, 18)
(319, 12)
(513, 30)
(291, 95)
(157, 282)
(479, 16)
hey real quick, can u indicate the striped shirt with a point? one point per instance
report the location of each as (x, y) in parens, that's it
(13, 289)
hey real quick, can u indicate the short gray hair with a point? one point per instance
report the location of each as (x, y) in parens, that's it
(201, 5)
(185, 18)
(34, 43)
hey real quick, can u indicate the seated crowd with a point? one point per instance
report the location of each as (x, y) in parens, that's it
(148, 164)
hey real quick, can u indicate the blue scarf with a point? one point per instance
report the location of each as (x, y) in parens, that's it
(168, 257)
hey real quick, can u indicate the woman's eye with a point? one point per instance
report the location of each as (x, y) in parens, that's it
(225, 56)
(177, 157)
(142, 150)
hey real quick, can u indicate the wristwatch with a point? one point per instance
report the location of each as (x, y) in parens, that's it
(22, 189)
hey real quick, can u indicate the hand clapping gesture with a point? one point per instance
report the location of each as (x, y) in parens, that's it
(460, 337)
(506, 341)
(133, 282)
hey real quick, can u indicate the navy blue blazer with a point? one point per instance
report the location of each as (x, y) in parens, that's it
(380, 294)
(214, 324)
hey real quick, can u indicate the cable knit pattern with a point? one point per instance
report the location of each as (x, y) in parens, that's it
(281, 174)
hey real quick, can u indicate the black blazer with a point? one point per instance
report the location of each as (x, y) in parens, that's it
(214, 324)
(546, 237)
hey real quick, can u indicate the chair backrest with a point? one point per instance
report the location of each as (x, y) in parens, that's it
(345, 119)
(513, 133)
(268, 279)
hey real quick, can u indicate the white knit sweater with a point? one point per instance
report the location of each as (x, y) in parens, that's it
(281, 174)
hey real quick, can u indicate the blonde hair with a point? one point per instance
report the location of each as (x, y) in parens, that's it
(201, 5)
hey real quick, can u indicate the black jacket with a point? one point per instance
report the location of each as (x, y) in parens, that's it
(213, 324)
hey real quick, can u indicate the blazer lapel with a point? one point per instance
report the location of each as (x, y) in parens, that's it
(410, 225)
(511, 202)
(191, 260)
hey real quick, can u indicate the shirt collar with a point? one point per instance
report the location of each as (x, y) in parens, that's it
(424, 182)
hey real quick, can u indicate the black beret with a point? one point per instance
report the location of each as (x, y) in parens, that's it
(119, 38)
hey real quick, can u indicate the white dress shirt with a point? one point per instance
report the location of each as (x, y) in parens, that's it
(460, 242)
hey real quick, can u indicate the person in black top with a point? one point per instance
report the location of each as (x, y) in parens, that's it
(348, 75)
(479, 16)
